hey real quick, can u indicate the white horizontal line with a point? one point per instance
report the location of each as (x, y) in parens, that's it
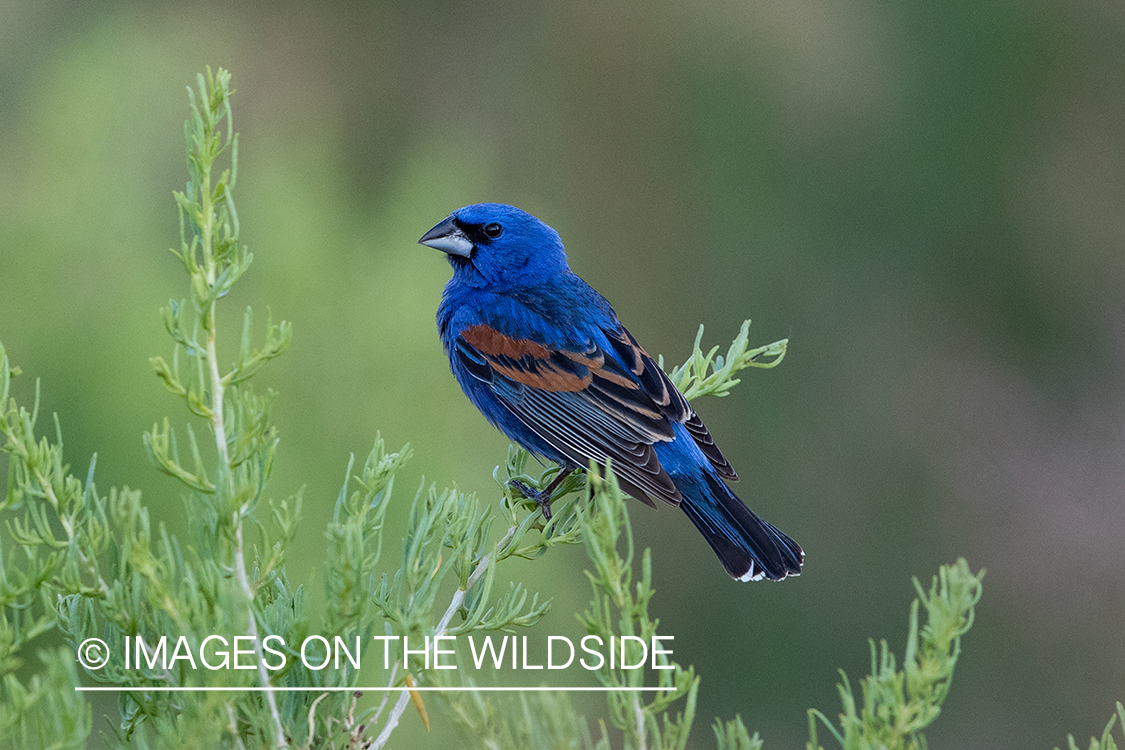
(377, 689)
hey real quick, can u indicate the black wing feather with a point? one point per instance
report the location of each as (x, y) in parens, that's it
(591, 405)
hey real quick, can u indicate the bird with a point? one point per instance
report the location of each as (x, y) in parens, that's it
(545, 359)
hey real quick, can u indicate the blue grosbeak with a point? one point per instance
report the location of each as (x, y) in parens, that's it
(545, 359)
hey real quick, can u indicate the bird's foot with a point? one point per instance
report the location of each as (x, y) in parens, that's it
(541, 498)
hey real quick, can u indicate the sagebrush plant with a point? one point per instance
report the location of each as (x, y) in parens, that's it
(898, 703)
(1106, 742)
(90, 564)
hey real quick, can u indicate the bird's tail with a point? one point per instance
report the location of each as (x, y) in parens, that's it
(749, 547)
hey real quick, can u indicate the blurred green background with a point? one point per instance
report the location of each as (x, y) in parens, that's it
(928, 199)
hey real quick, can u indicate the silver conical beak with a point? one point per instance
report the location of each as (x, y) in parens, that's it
(448, 238)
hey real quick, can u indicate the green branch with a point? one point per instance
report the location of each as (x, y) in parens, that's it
(711, 374)
(899, 703)
(1106, 742)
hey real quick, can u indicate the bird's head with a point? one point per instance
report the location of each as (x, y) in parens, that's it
(498, 245)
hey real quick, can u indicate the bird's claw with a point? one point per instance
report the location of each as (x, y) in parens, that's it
(541, 498)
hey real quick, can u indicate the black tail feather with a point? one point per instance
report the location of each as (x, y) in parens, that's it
(749, 547)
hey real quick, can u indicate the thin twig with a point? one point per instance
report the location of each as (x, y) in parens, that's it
(639, 713)
(216, 407)
(443, 624)
(234, 727)
(383, 703)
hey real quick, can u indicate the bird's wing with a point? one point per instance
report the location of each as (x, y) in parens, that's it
(665, 395)
(582, 403)
(591, 404)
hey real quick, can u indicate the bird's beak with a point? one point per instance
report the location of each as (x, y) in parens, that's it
(448, 238)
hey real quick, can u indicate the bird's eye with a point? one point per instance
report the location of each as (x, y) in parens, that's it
(493, 230)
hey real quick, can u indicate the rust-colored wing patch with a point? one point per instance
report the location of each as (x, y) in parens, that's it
(490, 342)
(593, 404)
(529, 363)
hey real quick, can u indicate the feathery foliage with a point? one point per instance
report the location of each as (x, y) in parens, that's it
(1106, 742)
(90, 565)
(899, 703)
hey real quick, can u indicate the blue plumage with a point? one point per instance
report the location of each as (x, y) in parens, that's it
(545, 359)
